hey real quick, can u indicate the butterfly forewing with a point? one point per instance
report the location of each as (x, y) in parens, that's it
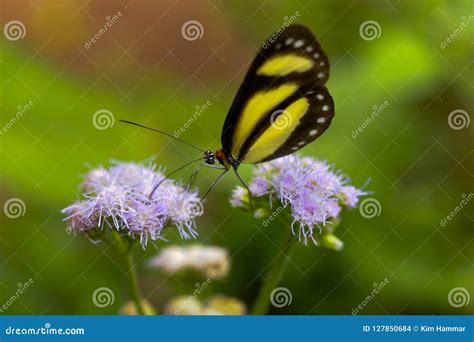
(282, 105)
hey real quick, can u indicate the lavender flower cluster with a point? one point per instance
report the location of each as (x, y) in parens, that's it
(212, 261)
(118, 198)
(314, 193)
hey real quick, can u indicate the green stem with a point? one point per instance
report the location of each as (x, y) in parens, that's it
(128, 250)
(274, 274)
(134, 287)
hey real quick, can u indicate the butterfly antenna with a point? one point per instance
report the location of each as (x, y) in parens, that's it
(161, 132)
(172, 173)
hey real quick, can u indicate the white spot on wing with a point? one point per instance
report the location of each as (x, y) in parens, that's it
(313, 132)
(301, 143)
(294, 148)
(316, 55)
(320, 74)
(289, 41)
(278, 46)
(309, 49)
(325, 108)
(299, 43)
(321, 63)
(321, 120)
(320, 97)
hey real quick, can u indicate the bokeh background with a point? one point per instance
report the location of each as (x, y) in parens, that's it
(417, 157)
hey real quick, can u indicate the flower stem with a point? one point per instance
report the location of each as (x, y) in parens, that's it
(126, 247)
(274, 274)
(134, 287)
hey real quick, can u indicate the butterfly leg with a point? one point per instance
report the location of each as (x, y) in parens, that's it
(192, 178)
(170, 174)
(213, 184)
(246, 187)
(216, 167)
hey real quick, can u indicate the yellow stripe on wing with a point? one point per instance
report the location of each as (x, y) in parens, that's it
(284, 65)
(278, 132)
(258, 105)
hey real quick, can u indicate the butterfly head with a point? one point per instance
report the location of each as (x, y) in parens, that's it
(209, 157)
(219, 156)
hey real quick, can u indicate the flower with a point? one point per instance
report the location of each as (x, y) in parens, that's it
(223, 305)
(216, 305)
(183, 306)
(118, 198)
(259, 186)
(313, 192)
(350, 196)
(239, 197)
(212, 261)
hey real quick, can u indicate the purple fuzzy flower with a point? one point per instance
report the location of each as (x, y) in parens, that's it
(259, 186)
(183, 207)
(313, 192)
(118, 198)
(146, 219)
(78, 220)
(350, 195)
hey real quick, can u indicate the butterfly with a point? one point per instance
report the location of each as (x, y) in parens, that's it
(281, 106)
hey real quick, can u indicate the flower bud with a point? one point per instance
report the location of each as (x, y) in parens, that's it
(184, 305)
(332, 241)
(261, 213)
(240, 198)
(225, 306)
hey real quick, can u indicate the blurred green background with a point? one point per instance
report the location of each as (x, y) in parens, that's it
(142, 69)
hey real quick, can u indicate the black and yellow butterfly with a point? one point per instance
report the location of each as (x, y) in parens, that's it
(281, 106)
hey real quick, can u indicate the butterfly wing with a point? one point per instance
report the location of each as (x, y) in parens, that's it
(282, 104)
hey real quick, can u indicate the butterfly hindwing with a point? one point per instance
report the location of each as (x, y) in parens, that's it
(291, 127)
(282, 104)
